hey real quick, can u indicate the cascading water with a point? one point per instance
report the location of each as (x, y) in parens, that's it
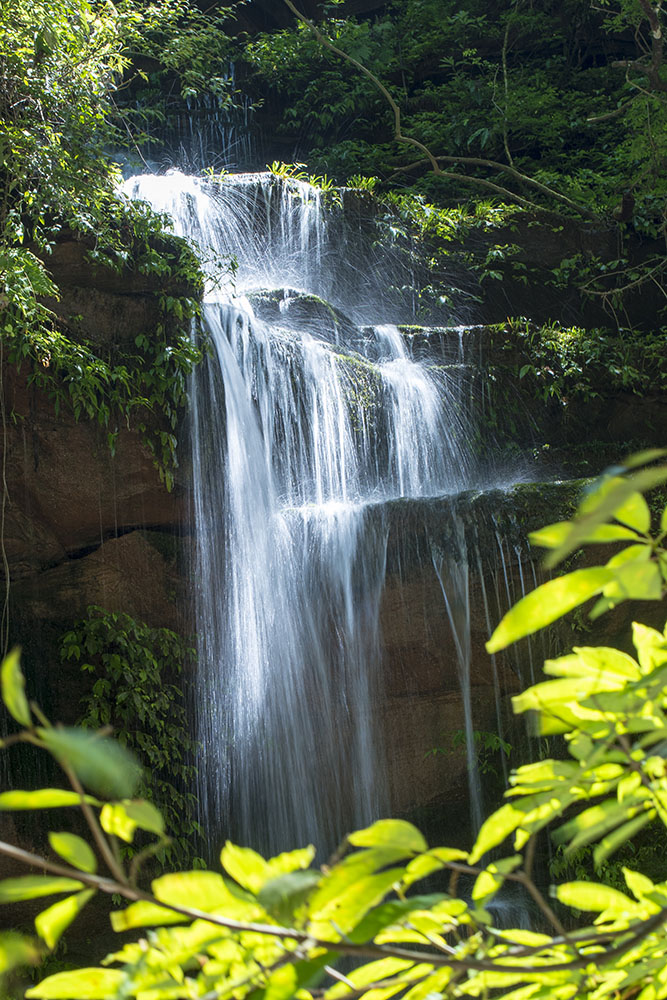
(301, 431)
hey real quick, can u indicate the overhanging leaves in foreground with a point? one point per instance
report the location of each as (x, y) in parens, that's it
(613, 511)
(277, 928)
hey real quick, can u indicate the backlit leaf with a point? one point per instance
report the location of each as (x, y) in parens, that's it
(390, 833)
(547, 603)
(13, 688)
(202, 890)
(15, 890)
(593, 896)
(634, 513)
(344, 910)
(553, 535)
(122, 818)
(491, 879)
(50, 924)
(43, 798)
(245, 866)
(74, 850)
(144, 914)
(496, 828)
(388, 914)
(281, 984)
(91, 984)
(601, 505)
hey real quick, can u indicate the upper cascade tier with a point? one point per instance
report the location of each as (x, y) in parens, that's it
(261, 231)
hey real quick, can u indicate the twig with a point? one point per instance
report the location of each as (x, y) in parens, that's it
(101, 841)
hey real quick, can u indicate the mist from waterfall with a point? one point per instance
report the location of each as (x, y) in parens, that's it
(303, 427)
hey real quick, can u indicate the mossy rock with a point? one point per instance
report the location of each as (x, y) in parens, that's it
(300, 311)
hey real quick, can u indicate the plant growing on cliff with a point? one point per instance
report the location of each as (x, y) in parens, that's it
(278, 928)
(60, 69)
(138, 678)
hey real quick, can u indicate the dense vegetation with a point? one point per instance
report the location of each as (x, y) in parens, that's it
(61, 69)
(560, 108)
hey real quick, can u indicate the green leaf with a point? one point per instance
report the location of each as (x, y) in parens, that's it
(87, 984)
(281, 984)
(390, 833)
(623, 835)
(593, 897)
(43, 798)
(491, 879)
(15, 890)
(388, 914)
(639, 885)
(115, 821)
(634, 513)
(282, 896)
(496, 828)
(636, 580)
(74, 850)
(553, 535)
(643, 457)
(100, 763)
(291, 861)
(144, 914)
(245, 866)
(547, 603)
(432, 861)
(342, 910)
(13, 688)
(122, 818)
(16, 951)
(202, 890)
(50, 924)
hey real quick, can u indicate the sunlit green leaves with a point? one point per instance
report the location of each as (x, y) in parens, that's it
(595, 897)
(491, 879)
(206, 891)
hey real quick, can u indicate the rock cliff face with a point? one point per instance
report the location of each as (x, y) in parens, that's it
(84, 527)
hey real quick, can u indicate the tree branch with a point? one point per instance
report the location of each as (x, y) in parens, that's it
(629, 937)
(433, 160)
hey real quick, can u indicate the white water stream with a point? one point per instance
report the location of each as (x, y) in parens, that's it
(300, 432)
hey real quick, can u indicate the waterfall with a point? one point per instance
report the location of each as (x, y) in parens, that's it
(307, 418)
